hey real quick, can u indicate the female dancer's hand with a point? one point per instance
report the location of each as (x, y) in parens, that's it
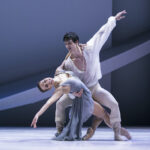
(34, 121)
(78, 94)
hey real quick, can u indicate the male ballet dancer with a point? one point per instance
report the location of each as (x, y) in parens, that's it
(85, 64)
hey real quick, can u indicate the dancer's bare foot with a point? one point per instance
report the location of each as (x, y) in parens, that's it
(89, 134)
(125, 133)
(59, 130)
(91, 130)
(117, 135)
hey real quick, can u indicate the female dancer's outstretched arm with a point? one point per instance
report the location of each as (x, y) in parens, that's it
(57, 94)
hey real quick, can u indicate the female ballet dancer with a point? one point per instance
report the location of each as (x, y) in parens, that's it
(82, 108)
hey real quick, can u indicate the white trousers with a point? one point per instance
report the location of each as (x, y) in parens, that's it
(100, 95)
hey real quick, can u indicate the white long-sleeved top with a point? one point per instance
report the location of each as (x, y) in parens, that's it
(91, 53)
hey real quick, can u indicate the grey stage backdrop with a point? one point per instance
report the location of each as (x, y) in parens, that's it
(136, 23)
(32, 30)
(31, 43)
(31, 34)
(131, 84)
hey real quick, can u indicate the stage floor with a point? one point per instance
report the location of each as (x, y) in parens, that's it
(40, 139)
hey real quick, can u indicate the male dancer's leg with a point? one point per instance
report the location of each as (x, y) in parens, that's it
(105, 98)
(61, 105)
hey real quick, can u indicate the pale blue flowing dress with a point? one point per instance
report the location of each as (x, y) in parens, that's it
(81, 110)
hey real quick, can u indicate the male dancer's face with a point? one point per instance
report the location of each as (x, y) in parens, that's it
(70, 45)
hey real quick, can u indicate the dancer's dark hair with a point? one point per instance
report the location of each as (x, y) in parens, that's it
(71, 36)
(39, 87)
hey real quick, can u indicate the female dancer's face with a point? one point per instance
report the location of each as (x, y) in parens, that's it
(46, 84)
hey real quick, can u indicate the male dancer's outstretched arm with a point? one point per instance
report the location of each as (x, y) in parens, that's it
(99, 38)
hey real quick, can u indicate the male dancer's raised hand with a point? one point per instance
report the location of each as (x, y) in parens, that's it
(120, 15)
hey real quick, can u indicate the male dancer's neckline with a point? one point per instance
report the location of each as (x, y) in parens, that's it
(73, 62)
(77, 54)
